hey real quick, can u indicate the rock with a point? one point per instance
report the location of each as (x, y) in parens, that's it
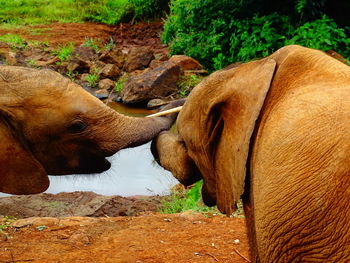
(157, 83)
(155, 63)
(110, 71)
(11, 58)
(138, 58)
(155, 103)
(84, 76)
(106, 84)
(102, 94)
(96, 67)
(186, 63)
(86, 54)
(46, 63)
(115, 56)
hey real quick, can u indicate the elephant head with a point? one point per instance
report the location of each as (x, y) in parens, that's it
(215, 126)
(49, 125)
(277, 130)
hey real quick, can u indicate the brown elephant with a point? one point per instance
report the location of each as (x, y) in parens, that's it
(50, 125)
(275, 132)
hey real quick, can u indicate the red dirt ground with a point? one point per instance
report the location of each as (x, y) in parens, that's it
(149, 238)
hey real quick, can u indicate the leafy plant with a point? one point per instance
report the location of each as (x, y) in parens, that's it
(92, 79)
(110, 45)
(71, 74)
(183, 200)
(6, 222)
(92, 43)
(323, 34)
(246, 30)
(120, 83)
(64, 52)
(15, 41)
(32, 63)
(187, 83)
(146, 9)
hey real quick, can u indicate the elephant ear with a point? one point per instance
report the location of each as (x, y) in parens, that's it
(20, 172)
(236, 112)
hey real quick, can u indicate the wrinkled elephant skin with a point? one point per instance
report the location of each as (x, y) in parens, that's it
(276, 133)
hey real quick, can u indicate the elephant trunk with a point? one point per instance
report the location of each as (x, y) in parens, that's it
(122, 131)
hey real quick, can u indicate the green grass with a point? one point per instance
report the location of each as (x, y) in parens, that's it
(5, 222)
(13, 40)
(64, 52)
(92, 43)
(33, 12)
(21, 12)
(184, 200)
(93, 80)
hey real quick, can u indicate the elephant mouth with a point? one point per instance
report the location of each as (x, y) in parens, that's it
(94, 165)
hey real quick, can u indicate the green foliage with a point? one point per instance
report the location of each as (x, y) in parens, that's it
(119, 85)
(221, 32)
(92, 43)
(6, 222)
(14, 40)
(39, 11)
(110, 45)
(321, 34)
(183, 200)
(21, 12)
(106, 11)
(149, 9)
(92, 79)
(187, 83)
(64, 52)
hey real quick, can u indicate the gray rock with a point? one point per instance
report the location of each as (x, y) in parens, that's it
(110, 71)
(157, 83)
(106, 84)
(138, 58)
(155, 103)
(186, 63)
(115, 56)
(101, 94)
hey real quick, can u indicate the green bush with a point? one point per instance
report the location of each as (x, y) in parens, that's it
(149, 9)
(321, 34)
(220, 32)
(183, 200)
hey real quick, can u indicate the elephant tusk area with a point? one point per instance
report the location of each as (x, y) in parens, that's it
(166, 112)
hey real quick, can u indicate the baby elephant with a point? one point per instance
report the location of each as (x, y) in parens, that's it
(49, 125)
(276, 133)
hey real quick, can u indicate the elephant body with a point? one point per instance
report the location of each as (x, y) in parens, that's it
(300, 163)
(275, 132)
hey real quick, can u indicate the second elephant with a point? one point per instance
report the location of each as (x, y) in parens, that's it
(276, 133)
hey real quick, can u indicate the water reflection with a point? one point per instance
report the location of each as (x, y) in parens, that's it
(133, 172)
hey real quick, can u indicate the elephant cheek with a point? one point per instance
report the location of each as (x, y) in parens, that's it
(208, 198)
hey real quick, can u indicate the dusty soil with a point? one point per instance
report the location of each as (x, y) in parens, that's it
(156, 238)
(59, 34)
(123, 35)
(111, 229)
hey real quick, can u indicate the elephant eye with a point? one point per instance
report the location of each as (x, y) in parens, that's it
(77, 126)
